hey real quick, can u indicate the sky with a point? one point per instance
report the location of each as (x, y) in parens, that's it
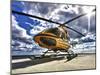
(24, 28)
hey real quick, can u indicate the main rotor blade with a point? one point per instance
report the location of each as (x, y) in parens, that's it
(78, 17)
(74, 30)
(21, 13)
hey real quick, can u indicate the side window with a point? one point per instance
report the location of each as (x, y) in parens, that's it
(63, 36)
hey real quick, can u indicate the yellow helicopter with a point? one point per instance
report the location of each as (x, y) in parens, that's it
(55, 39)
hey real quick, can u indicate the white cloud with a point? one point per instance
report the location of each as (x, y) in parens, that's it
(16, 26)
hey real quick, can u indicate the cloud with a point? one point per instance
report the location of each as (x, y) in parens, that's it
(24, 28)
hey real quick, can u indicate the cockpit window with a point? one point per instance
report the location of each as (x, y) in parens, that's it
(54, 31)
(63, 36)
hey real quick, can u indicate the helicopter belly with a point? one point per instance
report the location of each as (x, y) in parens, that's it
(51, 42)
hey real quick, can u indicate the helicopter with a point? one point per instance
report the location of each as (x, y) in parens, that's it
(55, 39)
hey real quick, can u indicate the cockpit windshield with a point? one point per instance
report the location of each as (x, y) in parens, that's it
(54, 31)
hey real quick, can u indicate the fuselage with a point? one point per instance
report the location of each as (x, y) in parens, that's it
(53, 38)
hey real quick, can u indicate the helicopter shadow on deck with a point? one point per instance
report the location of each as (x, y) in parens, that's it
(28, 63)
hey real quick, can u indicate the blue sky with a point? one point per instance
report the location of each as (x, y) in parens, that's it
(44, 9)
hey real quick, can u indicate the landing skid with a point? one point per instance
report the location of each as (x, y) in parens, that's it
(71, 55)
